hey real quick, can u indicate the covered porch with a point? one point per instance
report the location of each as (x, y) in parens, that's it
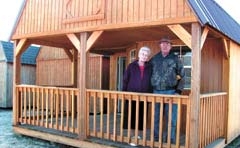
(61, 114)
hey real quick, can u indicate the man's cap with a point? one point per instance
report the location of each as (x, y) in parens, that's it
(165, 39)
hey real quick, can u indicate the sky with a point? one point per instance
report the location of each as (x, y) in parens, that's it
(9, 10)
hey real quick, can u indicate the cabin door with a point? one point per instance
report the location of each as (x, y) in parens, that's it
(121, 62)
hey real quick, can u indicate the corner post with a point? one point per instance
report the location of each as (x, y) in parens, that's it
(82, 87)
(195, 86)
(16, 81)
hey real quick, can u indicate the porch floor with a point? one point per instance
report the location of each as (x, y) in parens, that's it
(97, 140)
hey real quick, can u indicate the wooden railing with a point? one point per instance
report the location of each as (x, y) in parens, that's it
(108, 123)
(213, 117)
(56, 108)
(49, 107)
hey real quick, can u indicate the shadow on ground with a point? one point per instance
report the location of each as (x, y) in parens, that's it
(9, 139)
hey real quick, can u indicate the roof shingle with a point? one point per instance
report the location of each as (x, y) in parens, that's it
(28, 57)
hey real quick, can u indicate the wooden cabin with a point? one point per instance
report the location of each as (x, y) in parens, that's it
(207, 111)
(28, 70)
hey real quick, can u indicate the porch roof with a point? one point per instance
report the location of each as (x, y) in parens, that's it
(210, 13)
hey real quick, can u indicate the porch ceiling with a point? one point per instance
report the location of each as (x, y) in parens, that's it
(112, 41)
(115, 40)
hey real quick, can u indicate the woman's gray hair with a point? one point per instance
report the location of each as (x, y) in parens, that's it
(145, 48)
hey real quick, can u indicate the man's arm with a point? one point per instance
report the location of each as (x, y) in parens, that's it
(180, 77)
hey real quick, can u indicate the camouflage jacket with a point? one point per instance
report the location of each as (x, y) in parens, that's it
(168, 72)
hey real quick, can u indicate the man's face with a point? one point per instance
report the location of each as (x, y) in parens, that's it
(165, 47)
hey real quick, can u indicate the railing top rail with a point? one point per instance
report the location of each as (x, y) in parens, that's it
(46, 87)
(136, 93)
(213, 94)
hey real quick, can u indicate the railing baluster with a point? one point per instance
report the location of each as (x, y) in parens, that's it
(25, 104)
(129, 117)
(18, 104)
(51, 108)
(122, 118)
(144, 120)
(179, 118)
(115, 118)
(29, 105)
(169, 122)
(47, 107)
(57, 107)
(67, 109)
(201, 124)
(101, 114)
(88, 96)
(187, 125)
(34, 105)
(62, 108)
(153, 103)
(108, 116)
(162, 102)
(38, 106)
(72, 111)
(42, 105)
(136, 118)
(94, 114)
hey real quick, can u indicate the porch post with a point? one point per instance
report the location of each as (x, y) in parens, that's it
(195, 85)
(16, 81)
(19, 47)
(74, 68)
(82, 85)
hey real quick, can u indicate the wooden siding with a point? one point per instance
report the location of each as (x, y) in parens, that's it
(234, 93)
(55, 72)
(6, 83)
(212, 66)
(3, 83)
(48, 17)
(54, 68)
(94, 72)
(47, 52)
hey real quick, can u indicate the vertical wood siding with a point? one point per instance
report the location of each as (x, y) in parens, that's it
(234, 93)
(54, 72)
(212, 66)
(94, 72)
(3, 88)
(54, 68)
(46, 16)
(28, 76)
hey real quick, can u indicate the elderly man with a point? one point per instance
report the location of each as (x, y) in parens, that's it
(167, 78)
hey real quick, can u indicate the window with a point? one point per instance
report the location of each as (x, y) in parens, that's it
(132, 55)
(185, 54)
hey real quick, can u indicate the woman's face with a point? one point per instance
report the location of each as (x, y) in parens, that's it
(143, 56)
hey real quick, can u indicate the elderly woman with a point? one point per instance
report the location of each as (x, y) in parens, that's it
(137, 78)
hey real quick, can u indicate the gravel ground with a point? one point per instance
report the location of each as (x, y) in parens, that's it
(8, 139)
(234, 144)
